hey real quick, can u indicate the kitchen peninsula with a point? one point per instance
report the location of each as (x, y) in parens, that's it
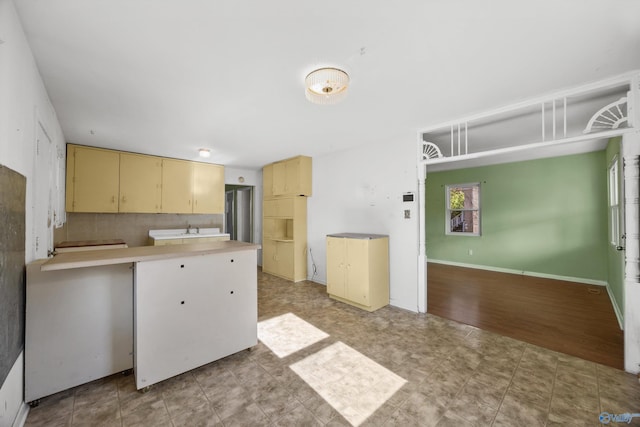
(161, 310)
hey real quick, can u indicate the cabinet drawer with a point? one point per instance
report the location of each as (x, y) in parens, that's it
(278, 207)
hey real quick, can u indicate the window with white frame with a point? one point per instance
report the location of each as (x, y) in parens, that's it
(463, 209)
(614, 203)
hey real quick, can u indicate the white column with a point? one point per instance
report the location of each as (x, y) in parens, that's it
(631, 158)
(422, 253)
(421, 171)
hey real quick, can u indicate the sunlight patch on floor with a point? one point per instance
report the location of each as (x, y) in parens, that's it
(353, 384)
(287, 334)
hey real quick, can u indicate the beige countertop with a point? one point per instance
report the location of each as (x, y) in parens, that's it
(69, 260)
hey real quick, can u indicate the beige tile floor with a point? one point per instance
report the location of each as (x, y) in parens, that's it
(456, 375)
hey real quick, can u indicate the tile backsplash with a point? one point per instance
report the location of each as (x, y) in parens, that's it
(132, 228)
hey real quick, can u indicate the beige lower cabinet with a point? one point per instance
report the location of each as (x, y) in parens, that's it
(358, 269)
(278, 258)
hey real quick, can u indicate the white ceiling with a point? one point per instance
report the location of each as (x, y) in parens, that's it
(168, 77)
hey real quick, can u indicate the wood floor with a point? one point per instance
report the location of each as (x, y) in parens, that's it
(567, 317)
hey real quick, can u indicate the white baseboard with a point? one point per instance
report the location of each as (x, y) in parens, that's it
(522, 273)
(21, 418)
(616, 309)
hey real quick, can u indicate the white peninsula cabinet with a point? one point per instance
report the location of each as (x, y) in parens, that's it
(162, 310)
(191, 311)
(79, 326)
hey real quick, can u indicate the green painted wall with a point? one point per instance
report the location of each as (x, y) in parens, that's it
(545, 216)
(615, 258)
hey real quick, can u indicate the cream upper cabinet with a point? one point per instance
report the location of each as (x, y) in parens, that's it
(208, 188)
(192, 187)
(92, 179)
(140, 183)
(267, 181)
(100, 180)
(177, 181)
(279, 179)
(358, 269)
(292, 177)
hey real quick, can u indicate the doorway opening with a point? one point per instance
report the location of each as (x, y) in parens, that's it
(239, 212)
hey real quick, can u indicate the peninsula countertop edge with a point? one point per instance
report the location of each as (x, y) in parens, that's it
(69, 260)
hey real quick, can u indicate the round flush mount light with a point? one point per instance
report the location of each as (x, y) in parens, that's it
(326, 86)
(204, 153)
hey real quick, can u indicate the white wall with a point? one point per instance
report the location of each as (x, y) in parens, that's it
(23, 98)
(254, 178)
(361, 190)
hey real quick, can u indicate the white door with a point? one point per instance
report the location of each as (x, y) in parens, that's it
(43, 203)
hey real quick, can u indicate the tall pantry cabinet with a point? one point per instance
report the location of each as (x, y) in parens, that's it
(286, 186)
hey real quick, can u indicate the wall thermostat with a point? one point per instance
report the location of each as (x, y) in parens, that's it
(407, 197)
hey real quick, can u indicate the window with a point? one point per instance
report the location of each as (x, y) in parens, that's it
(614, 204)
(463, 209)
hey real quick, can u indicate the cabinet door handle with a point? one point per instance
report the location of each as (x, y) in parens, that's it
(113, 199)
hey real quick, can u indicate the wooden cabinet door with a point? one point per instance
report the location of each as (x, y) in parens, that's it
(140, 183)
(208, 188)
(303, 176)
(269, 228)
(95, 180)
(336, 255)
(357, 256)
(290, 177)
(269, 256)
(292, 172)
(267, 181)
(285, 208)
(285, 259)
(269, 207)
(176, 186)
(279, 179)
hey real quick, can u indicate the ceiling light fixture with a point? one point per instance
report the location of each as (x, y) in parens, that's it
(204, 152)
(326, 86)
